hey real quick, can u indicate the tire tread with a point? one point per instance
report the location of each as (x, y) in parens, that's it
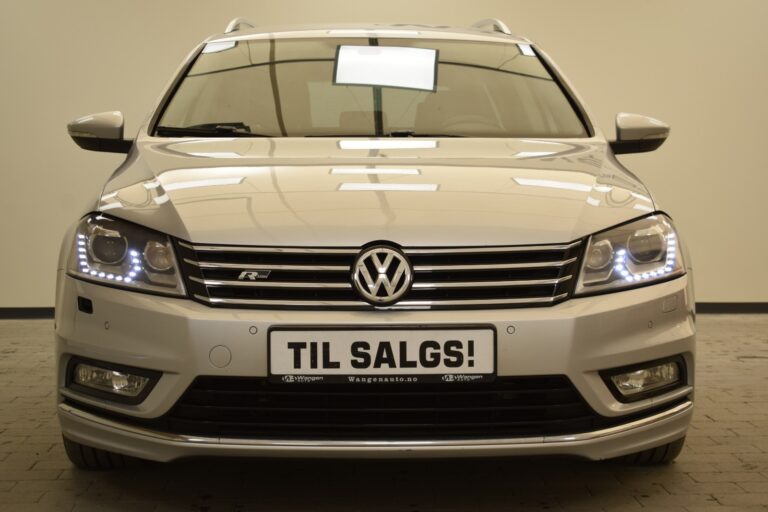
(663, 454)
(93, 459)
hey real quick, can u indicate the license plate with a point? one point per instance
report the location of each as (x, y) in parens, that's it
(382, 355)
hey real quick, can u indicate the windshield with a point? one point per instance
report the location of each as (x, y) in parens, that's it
(313, 88)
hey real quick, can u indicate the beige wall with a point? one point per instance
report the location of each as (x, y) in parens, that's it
(700, 65)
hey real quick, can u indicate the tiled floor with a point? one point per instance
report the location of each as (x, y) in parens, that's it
(723, 467)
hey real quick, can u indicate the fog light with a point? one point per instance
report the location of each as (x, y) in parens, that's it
(111, 381)
(647, 379)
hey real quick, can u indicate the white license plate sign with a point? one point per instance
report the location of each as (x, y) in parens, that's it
(382, 355)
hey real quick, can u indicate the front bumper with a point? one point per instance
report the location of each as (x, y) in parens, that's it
(576, 338)
(635, 436)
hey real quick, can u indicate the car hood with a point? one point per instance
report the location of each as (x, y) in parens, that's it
(349, 192)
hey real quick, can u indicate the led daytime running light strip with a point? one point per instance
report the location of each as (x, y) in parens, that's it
(85, 269)
(631, 277)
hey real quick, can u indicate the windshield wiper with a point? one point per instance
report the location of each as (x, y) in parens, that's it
(209, 130)
(343, 135)
(394, 133)
(411, 133)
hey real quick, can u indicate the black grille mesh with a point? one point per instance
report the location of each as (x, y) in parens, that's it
(240, 407)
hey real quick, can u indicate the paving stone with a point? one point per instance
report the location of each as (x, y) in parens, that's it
(15, 475)
(725, 508)
(36, 507)
(703, 488)
(13, 497)
(754, 487)
(741, 476)
(678, 500)
(740, 500)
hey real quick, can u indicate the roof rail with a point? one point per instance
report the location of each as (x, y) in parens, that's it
(236, 24)
(496, 25)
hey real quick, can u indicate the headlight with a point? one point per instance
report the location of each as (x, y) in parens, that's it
(641, 252)
(119, 253)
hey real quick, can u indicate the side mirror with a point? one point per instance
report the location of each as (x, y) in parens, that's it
(100, 132)
(638, 134)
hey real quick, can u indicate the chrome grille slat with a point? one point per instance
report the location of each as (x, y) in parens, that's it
(266, 250)
(267, 284)
(405, 304)
(296, 303)
(493, 249)
(426, 286)
(320, 278)
(262, 266)
(491, 284)
(497, 266)
(334, 250)
(485, 302)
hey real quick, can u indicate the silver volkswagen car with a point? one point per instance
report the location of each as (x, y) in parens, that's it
(372, 241)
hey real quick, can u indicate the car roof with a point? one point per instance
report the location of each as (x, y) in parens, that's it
(379, 30)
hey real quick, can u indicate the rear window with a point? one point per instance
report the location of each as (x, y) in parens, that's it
(289, 88)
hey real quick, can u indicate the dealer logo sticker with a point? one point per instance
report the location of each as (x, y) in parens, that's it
(302, 379)
(460, 377)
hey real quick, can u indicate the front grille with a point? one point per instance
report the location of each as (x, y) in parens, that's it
(245, 407)
(444, 278)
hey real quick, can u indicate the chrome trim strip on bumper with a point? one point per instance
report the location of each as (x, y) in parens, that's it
(568, 438)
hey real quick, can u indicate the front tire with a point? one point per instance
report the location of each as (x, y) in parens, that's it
(663, 454)
(94, 459)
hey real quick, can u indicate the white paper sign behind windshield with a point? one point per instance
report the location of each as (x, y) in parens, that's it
(387, 66)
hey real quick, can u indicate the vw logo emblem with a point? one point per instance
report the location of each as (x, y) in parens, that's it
(382, 275)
